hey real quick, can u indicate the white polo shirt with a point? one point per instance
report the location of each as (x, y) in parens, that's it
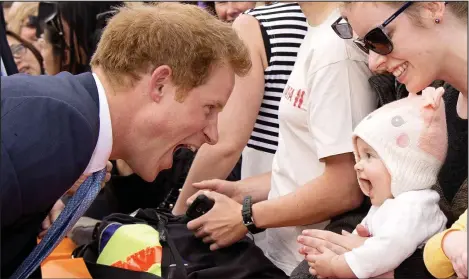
(326, 96)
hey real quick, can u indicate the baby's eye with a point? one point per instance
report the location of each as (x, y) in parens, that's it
(368, 155)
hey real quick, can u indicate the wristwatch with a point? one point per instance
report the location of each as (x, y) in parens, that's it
(247, 216)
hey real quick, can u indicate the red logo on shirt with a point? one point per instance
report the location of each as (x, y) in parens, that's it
(299, 95)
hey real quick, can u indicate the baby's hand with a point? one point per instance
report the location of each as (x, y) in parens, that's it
(455, 248)
(432, 96)
(321, 264)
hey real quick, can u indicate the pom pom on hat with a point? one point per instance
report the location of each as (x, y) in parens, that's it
(410, 136)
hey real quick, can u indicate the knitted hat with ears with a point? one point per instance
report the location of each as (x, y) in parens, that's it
(410, 137)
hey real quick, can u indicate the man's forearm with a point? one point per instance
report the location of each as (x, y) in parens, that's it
(257, 187)
(328, 195)
(209, 163)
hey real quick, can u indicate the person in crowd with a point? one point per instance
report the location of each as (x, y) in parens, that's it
(229, 11)
(142, 101)
(23, 21)
(257, 123)
(27, 58)
(255, 99)
(7, 63)
(391, 48)
(326, 96)
(399, 150)
(71, 34)
(6, 6)
(445, 254)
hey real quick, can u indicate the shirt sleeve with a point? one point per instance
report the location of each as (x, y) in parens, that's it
(332, 113)
(434, 257)
(407, 226)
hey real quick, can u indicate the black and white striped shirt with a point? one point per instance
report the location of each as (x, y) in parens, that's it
(283, 28)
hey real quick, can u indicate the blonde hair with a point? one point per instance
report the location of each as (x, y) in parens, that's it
(457, 8)
(17, 16)
(140, 38)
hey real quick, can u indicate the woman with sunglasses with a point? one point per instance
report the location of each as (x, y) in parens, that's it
(23, 21)
(418, 42)
(312, 177)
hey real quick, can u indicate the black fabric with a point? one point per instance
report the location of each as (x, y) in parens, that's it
(413, 267)
(267, 47)
(104, 271)
(125, 194)
(242, 260)
(454, 170)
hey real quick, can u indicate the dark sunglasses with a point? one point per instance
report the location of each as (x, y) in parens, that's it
(375, 40)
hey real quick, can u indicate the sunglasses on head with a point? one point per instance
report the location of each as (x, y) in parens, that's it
(375, 40)
(47, 12)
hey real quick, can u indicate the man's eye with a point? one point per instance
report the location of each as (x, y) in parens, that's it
(209, 109)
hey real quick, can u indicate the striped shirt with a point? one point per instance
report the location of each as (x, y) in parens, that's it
(283, 27)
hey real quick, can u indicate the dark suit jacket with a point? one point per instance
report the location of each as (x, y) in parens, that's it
(49, 129)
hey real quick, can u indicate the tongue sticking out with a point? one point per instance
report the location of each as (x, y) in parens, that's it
(366, 187)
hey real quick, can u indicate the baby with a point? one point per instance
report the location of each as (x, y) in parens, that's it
(399, 150)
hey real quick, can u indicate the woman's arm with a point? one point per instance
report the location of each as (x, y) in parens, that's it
(237, 119)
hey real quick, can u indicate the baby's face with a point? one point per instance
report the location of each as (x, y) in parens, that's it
(373, 176)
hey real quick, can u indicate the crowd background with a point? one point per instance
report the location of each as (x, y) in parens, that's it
(263, 138)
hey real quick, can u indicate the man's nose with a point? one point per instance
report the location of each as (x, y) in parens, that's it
(376, 62)
(211, 132)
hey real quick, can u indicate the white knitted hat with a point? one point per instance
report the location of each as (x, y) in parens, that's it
(410, 136)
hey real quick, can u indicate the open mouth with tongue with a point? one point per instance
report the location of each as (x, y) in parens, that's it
(187, 146)
(367, 187)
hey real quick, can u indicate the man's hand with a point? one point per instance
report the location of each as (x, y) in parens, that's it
(227, 188)
(455, 248)
(222, 225)
(51, 217)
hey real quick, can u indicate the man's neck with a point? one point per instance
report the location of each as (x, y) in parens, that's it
(317, 12)
(111, 95)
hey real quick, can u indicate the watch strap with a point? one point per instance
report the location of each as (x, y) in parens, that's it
(247, 216)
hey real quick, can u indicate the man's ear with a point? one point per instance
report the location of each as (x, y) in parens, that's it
(160, 78)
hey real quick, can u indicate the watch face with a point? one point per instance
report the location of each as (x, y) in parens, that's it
(249, 223)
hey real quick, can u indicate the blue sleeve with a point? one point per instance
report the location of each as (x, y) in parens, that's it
(46, 144)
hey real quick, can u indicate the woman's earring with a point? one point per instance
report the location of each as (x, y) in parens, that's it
(437, 21)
